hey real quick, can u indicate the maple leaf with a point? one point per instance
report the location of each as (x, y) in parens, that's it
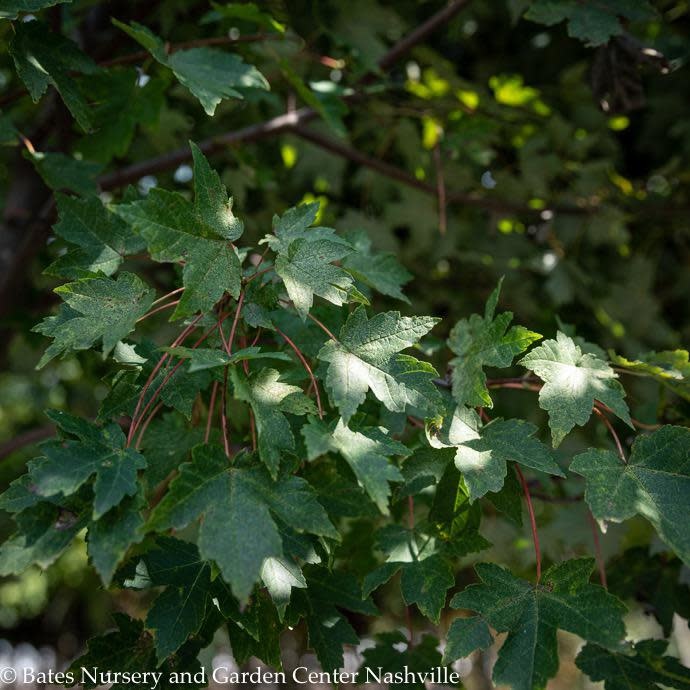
(464, 636)
(642, 666)
(365, 450)
(95, 309)
(130, 649)
(484, 341)
(426, 575)
(304, 259)
(654, 483)
(43, 58)
(670, 367)
(326, 593)
(210, 74)
(11, 8)
(483, 453)
(270, 399)
(365, 356)
(238, 531)
(180, 609)
(380, 271)
(594, 23)
(199, 234)
(44, 531)
(109, 537)
(69, 464)
(531, 614)
(572, 382)
(103, 239)
(393, 656)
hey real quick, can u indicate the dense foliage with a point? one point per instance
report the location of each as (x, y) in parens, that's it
(252, 429)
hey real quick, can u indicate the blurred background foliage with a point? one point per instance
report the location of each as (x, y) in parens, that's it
(500, 146)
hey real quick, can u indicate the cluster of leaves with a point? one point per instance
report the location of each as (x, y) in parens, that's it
(293, 454)
(258, 531)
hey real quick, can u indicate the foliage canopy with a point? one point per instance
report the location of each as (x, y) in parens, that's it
(269, 435)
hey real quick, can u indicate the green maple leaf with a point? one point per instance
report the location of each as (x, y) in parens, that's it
(121, 103)
(177, 230)
(280, 575)
(642, 667)
(654, 483)
(109, 537)
(366, 357)
(670, 367)
(483, 453)
(103, 239)
(502, 441)
(130, 649)
(68, 465)
(238, 531)
(66, 173)
(95, 309)
(380, 271)
(210, 74)
(593, 22)
(256, 633)
(393, 654)
(44, 531)
(484, 341)
(328, 630)
(366, 451)
(426, 575)
(43, 58)
(304, 259)
(179, 611)
(167, 443)
(212, 204)
(270, 399)
(464, 636)
(11, 8)
(531, 614)
(572, 382)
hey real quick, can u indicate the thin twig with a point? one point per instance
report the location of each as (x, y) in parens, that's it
(614, 435)
(145, 425)
(597, 549)
(532, 520)
(26, 438)
(211, 405)
(233, 330)
(323, 327)
(395, 173)
(162, 307)
(277, 124)
(178, 341)
(168, 295)
(136, 420)
(223, 414)
(305, 364)
(410, 524)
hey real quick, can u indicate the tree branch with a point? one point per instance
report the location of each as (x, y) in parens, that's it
(421, 33)
(27, 438)
(172, 159)
(277, 124)
(395, 173)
